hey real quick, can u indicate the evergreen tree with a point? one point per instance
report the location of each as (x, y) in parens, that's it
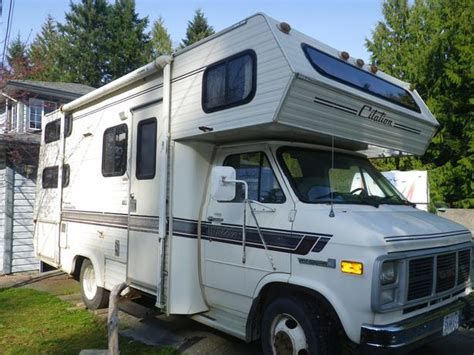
(17, 59)
(44, 52)
(160, 39)
(128, 44)
(84, 58)
(197, 29)
(430, 45)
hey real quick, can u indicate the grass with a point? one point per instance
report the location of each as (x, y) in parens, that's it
(34, 322)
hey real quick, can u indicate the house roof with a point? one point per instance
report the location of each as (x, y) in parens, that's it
(66, 91)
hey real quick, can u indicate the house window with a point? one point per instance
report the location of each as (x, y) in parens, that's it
(39, 108)
(114, 151)
(255, 169)
(230, 82)
(146, 149)
(14, 118)
(50, 177)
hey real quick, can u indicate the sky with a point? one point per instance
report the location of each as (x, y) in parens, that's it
(342, 24)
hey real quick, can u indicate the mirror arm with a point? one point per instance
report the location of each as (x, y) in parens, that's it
(244, 224)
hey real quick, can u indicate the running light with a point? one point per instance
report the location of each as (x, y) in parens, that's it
(352, 267)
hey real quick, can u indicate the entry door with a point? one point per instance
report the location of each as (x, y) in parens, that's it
(231, 281)
(47, 211)
(144, 250)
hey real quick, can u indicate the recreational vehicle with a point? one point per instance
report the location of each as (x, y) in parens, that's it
(231, 182)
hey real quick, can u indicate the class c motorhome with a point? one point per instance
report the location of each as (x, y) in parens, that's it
(230, 181)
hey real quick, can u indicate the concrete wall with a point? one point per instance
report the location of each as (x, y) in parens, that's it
(459, 215)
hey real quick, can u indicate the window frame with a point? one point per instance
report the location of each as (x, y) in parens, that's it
(225, 62)
(118, 173)
(321, 71)
(138, 155)
(265, 155)
(65, 176)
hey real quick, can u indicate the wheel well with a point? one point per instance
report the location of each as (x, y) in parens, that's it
(76, 269)
(280, 289)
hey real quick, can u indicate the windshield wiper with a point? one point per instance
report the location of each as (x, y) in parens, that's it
(383, 200)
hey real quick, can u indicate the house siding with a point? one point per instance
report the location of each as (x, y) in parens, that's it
(2, 216)
(23, 256)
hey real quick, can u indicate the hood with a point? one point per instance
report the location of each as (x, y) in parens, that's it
(398, 228)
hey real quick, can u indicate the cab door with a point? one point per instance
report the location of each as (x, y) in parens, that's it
(144, 266)
(232, 268)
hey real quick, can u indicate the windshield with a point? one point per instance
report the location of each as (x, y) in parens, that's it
(349, 179)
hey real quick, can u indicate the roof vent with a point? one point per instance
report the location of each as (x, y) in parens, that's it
(284, 27)
(360, 62)
(374, 69)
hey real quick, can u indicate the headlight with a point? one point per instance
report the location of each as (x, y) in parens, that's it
(388, 274)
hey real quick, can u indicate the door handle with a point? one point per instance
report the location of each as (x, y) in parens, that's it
(215, 219)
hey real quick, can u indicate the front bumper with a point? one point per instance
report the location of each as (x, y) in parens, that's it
(417, 330)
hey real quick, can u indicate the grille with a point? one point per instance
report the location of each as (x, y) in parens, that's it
(420, 281)
(464, 266)
(443, 269)
(445, 272)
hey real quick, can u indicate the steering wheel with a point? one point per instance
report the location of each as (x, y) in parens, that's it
(361, 189)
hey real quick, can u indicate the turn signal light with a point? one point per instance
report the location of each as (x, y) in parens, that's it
(352, 267)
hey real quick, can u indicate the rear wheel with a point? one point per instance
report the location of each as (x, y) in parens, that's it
(94, 297)
(295, 326)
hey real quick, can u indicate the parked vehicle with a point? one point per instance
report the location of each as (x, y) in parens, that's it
(220, 180)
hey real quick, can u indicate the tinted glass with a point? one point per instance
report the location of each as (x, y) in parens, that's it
(52, 131)
(349, 179)
(66, 175)
(230, 82)
(346, 73)
(50, 177)
(255, 169)
(146, 149)
(114, 151)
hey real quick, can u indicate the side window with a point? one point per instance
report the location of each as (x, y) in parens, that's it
(255, 169)
(50, 176)
(230, 82)
(114, 151)
(146, 149)
(52, 131)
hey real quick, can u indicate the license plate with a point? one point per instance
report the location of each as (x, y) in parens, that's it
(450, 323)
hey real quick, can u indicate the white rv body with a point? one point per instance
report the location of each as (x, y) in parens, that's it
(165, 235)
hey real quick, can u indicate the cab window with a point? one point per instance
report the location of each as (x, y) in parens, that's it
(255, 169)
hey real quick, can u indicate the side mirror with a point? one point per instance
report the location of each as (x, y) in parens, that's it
(223, 183)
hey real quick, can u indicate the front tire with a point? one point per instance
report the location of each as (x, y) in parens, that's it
(295, 326)
(93, 296)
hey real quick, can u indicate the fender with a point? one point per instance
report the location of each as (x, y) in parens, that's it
(96, 263)
(343, 312)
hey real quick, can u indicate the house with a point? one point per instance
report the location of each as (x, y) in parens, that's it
(23, 103)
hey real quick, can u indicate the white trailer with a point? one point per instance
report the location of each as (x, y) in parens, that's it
(218, 180)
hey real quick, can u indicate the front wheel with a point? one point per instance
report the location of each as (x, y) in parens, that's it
(94, 297)
(295, 326)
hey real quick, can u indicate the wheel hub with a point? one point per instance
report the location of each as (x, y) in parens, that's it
(89, 283)
(288, 336)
